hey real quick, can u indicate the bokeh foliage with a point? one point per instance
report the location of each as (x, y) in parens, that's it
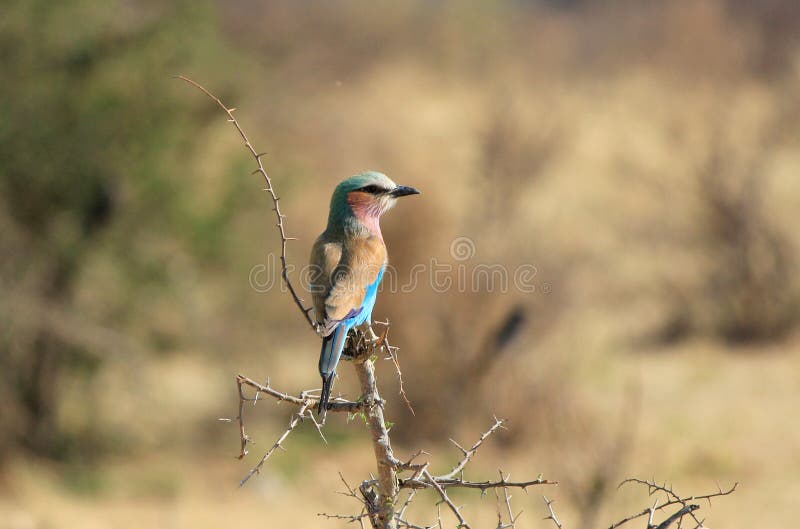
(93, 143)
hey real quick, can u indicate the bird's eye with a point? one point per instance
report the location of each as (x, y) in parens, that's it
(373, 189)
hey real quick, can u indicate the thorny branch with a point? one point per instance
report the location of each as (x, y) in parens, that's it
(296, 418)
(383, 341)
(421, 478)
(336, 404)
(379, 496)
(387, 490)
(689, 509)
(449, 479)
(483, 486)
(498, 423)
(512, 519)
(269, 189)
(446, 500)
(672, 498)
(305, 401)
(552, 515)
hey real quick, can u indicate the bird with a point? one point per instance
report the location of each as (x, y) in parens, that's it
(347, 264)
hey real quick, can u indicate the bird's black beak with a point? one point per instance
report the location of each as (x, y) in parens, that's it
(402, 191)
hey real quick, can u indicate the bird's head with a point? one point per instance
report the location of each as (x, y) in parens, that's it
(365, 197)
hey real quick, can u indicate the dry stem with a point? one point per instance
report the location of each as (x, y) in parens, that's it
(275, 200)
(672, 499)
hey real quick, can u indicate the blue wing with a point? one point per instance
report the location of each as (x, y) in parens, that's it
(333, 343)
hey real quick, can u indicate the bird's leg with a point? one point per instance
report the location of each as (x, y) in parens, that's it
(372, 342)
(361, 343)
(350, 350)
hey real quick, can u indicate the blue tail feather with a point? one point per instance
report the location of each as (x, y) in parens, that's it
(332, 346)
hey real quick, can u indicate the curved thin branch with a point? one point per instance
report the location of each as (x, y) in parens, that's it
(269, 189)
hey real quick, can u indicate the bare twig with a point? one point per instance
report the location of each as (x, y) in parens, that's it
(483, 486)
(409, 525)
(499, 513)
(689, 509)
(652, 514)
(296, 418)
(305, 397)
(653, 487)
(409, 465)
(383, 341)
(418, 469)
(552, 515)
(421, 478)
(275, 200)
(456, 510)
(672, 499)
(350, 490)
(349, 517)
(498, 423)
(305, 401)
(240, 418)
(512, 520)
(317, 425)
(406, 504)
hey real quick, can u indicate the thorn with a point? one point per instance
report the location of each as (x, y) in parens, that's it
(459, 447)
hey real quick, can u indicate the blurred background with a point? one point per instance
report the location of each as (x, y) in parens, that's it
(639, 159)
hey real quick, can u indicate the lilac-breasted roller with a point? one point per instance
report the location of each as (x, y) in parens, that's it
(347, 264)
